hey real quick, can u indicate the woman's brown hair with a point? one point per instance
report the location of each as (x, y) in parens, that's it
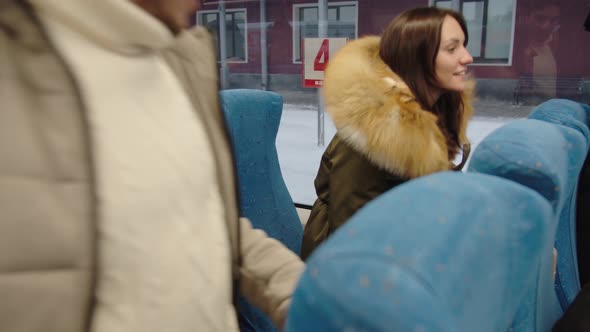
(409, 46)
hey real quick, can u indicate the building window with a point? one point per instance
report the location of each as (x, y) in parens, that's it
(342, 22)
(491, 28)
(235, 32)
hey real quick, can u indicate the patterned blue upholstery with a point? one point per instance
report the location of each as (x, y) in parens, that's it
(546, 157)
(446, 252)
(564, 112)
(253, 118)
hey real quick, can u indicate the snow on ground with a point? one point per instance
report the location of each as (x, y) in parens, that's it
(299, 153)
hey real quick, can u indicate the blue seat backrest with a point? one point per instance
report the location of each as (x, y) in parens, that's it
(445, 252)
(253, 118)
(546, 157)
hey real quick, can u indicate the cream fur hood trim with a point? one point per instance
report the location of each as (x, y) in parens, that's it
(376, 113)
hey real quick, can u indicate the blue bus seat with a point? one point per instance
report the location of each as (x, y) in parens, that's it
(548, 158)
(445, 252)
(252, 118)
(573, 225)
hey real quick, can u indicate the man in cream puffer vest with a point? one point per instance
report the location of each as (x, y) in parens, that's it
(118, 202)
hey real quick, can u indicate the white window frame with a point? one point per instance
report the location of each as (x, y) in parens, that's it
(510, 51)
(295, 26)
(202, 12)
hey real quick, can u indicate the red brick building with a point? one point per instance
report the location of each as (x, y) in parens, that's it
(508, 39)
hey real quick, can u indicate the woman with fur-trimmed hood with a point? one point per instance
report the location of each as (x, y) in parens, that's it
(400, 104)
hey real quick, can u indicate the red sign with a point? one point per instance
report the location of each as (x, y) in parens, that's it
(316, 54)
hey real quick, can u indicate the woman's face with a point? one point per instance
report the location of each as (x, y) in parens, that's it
(451, 61)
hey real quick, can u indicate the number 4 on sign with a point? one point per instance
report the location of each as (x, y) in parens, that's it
(321, 59)
(316, 56)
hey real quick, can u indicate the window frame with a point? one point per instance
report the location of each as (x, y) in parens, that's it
(217, 46)
(295, 25)
(479, 61)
